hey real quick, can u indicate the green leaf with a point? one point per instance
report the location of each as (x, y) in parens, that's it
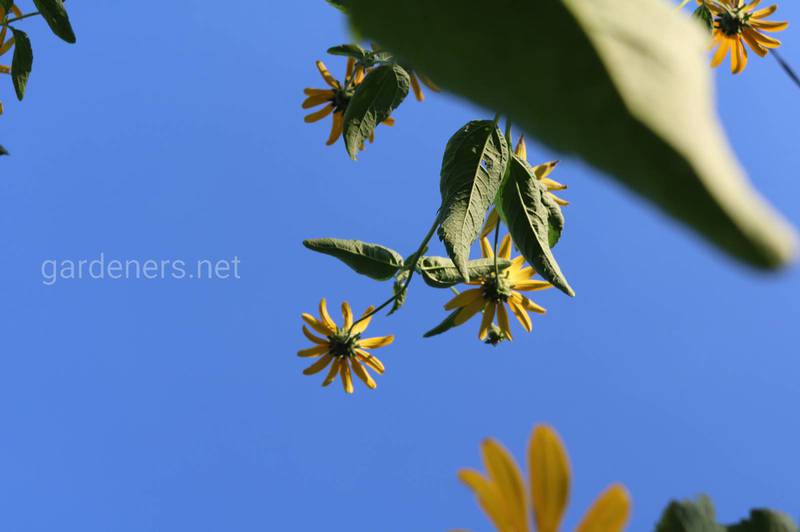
(525, 211)
(341, 5)
(555, 220)
(384, 88)
(22, 63)
(473, 165)
(762, 520)
(703, 14)
(597, 82)
(689, 516)
(349, 50)
(441, 272)
(6, 5)
(56, 16)
(373, 260)
(399, 290)
(448, 323)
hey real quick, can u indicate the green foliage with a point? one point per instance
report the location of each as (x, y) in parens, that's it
(441, 272)
(473, 166)
(384, 88)
(699, 516)
(596, 82)
(448, 323)
(341, 5)
(527, 215)
(54, 12)
(3, 151)
(555, 220)
(399, 289)
(349, 50)
(373, 260)
(22, 63)
(703, 14)
(6, 5)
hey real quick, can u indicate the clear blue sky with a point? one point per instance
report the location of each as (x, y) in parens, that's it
(178, 405)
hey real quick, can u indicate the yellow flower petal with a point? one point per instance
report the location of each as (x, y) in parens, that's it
(529, 305)
(349, 69)
(553, 185)
(516, 307)
(376, 342)
(370, 360)
(319, 365)
(530, 286)
(347, 379)
(505, 475)
(336, 128)
(317, 325)
(326, 318)
(468, 311)
(319, 99)
(314, 338)
(765, 25)
(559, 201)
(316, 116)
(502, 321)
(359, 327)
(361, 373)
(7, 45)
(761, 13)
(491, 223)
(486, 322)
(347, 314)
(505, 248)
(464, 298)
(418, 94)
(326, 75)
(543, 170)
(428, 83)
(521, 150)
(313, 351)
(488, 497)
(549, 476)
(609, 513)
(722, 51)
(332, 372)
(486, 248)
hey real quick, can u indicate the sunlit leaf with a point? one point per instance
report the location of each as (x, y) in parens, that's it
(441, 272)
(373, 260)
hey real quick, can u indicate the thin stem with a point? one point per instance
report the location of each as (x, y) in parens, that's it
(411, 270)
(9, 21)
(496, 237)
(786, 68)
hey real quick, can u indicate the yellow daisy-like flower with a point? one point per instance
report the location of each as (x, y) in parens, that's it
(736, 24)
(494, 292)
(6, 45)
(342, 348)
(336, 98)
(502, 492)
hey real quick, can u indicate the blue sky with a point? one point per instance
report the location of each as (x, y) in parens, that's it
(171, 405)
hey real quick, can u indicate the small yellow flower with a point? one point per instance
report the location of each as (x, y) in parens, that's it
(416, 77)
(736, 24)
(502, 492)
(542, 172)
(342, 348)
(336, 98)
(494, 292)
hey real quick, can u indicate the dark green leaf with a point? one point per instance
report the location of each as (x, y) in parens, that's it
(341, 5)
(384, 88)
(596, 82)
(399, 291)
(3, 151)
(56, 16)
(527, 216)
(373, 260)
(349, 50)
(762, 520)
(448, 323)
(22, 63)
(6, 5)
(689, 516)
(440, 272)
(474, 162)
(555, 220)
(703, 14)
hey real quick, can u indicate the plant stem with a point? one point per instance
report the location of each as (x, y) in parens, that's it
(786, 68)
(496, 237)
(9, 21)
(411, 270)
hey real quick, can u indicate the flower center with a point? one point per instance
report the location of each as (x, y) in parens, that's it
(343, 344)
(341, 98)
(730, 24)
(496, 289)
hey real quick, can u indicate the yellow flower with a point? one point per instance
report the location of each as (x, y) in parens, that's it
(494, 292)
(502, 492)
(418, 94)
(542, 172)
(6, 45)
(736, 23)
(336, 98)
(342, 348)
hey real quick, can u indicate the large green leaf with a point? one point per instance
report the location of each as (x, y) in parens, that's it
(448, 323)
(56, 16)
(384, 88)
(527, 215)
(762, 520)
(441, 272)
(624, 85)
(373, 260)
(699, 516)
(472, 169)
(22, 62)
(555, 220)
